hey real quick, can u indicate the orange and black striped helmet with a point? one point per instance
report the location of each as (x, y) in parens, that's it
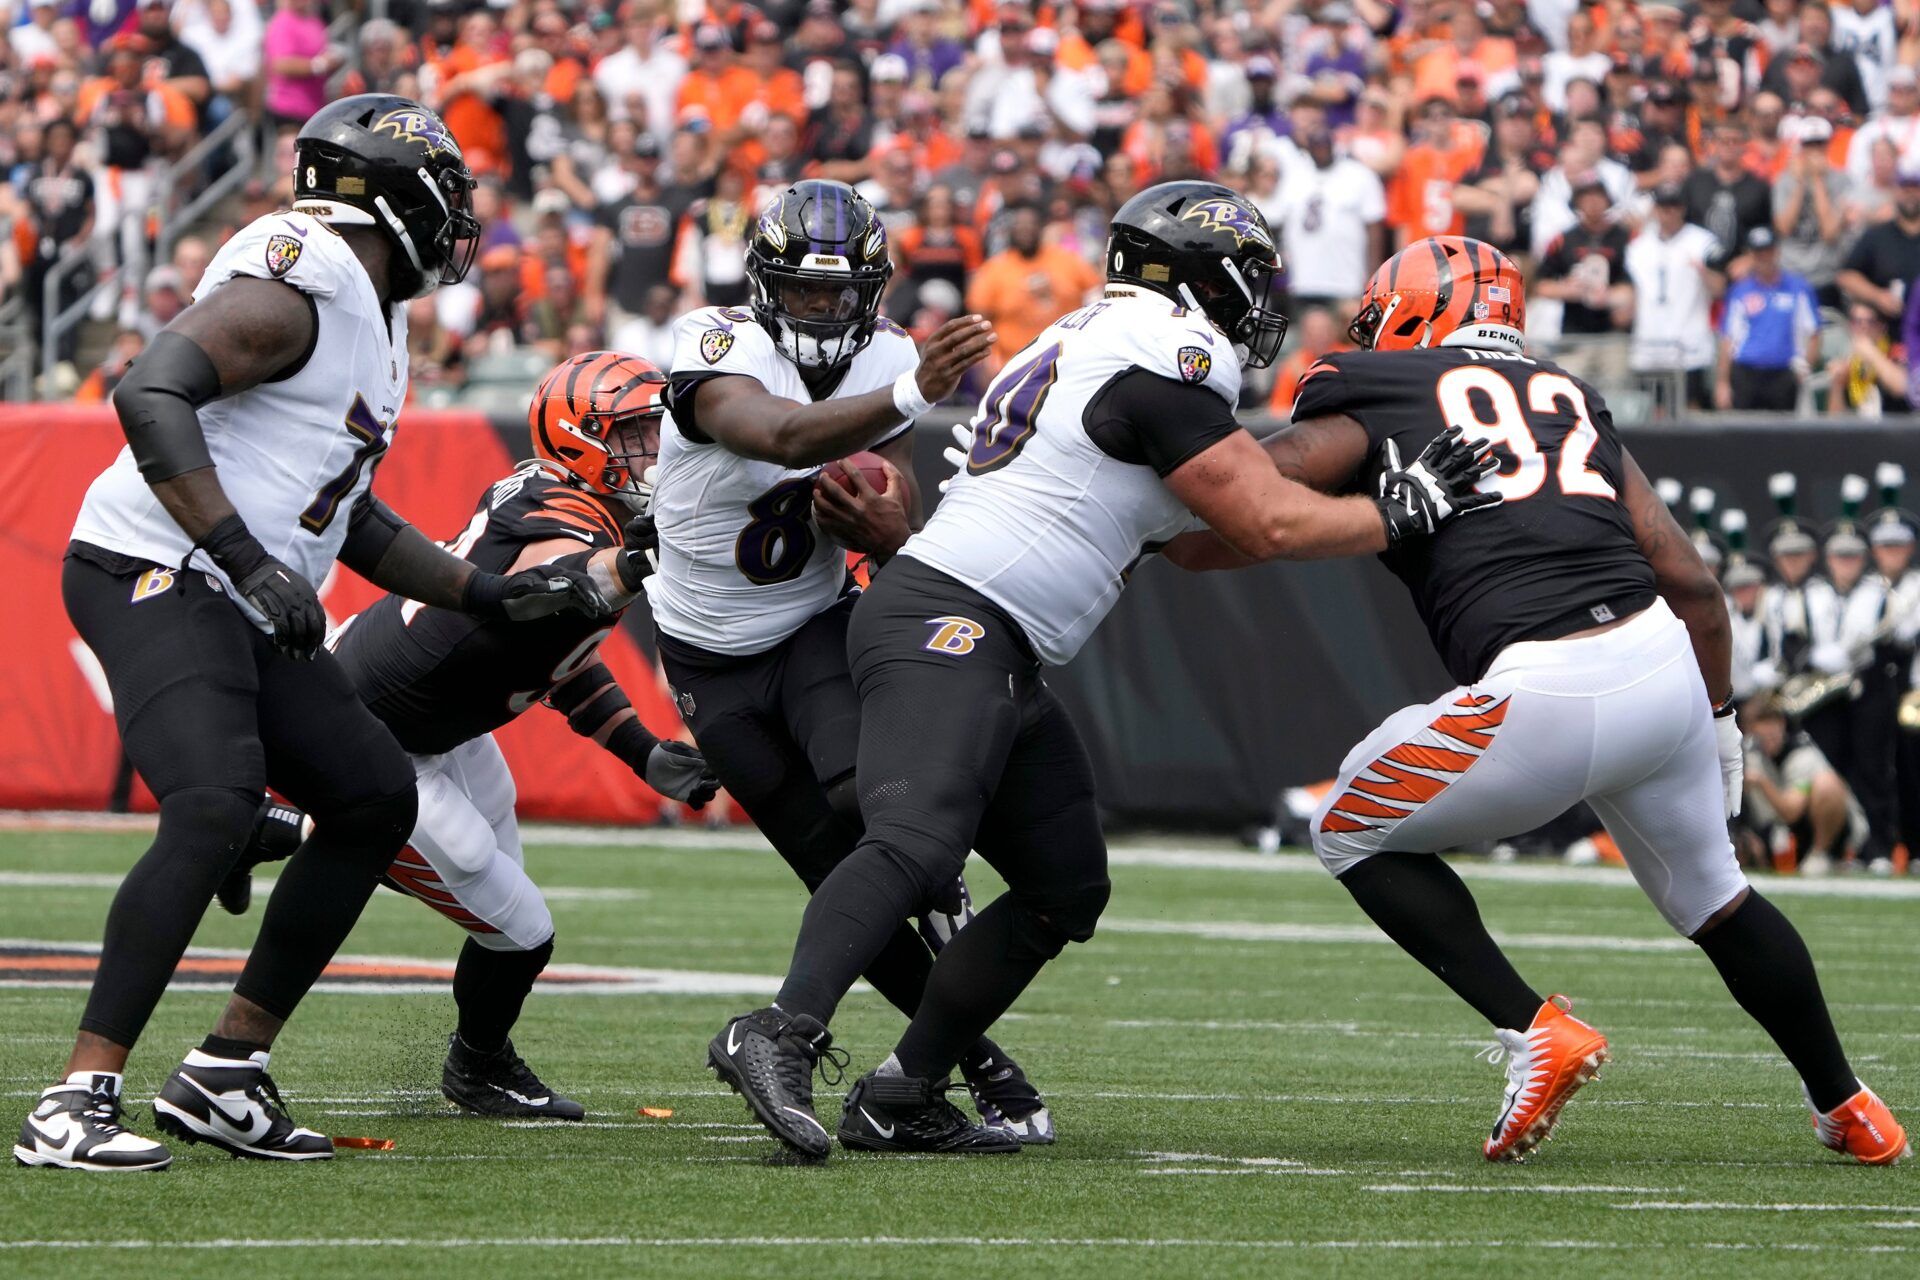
(596, 418)
(1444, 291)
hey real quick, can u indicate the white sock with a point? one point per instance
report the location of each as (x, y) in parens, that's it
(891, 1067)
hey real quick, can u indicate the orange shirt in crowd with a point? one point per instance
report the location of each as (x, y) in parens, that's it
(1286, 386)
(1149, 149)
(475, 125)
(563, 77)
(720, 96)
(1436, 74)
(176, 108)
(1076, 54)
(1022, 296)
(957, 244)
(1420, 197)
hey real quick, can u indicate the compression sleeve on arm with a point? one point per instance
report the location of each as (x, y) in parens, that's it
(591, 699)
(371, 530)
(157, 403)
(1144, 418)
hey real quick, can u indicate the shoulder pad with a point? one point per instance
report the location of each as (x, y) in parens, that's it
(303, 251)
(721, 340)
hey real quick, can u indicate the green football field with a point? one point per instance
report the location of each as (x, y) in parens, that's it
(1247, 1081)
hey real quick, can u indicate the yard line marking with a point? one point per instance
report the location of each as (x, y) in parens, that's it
(1214, 1171)
(264, 885)
(1720, 1206)
(1368, 935)
(1536, 1189)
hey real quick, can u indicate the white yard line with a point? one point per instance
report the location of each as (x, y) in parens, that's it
(1730, 1206)
(1518, 1188)
(1368, 935)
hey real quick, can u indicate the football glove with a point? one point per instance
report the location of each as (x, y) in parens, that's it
(639, 552)
(1726, 731)
(957, 453)
(679, 772)
(946, 915)
(533, 593)
(1417, 500)
(285, 599)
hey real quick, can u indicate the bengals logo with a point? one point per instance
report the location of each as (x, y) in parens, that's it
(282, 253)
(1195, 364)
(152, 583)
(953, 636)
(715, 343)
(410, 124)
(1230, 216)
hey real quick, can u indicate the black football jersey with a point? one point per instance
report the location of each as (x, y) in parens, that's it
(1558, 555)
(438, 677)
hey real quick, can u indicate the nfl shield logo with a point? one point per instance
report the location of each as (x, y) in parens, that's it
(715, 343)
(1195, 364)
(282, 253)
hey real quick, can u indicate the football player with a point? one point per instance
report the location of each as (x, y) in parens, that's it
(1096, 444)
(1592, 648)
(752, 598)
(443, 681)
(253, 423)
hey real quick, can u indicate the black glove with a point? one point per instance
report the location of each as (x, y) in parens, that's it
(285, 599)
(533, 593)
(639, 552)
(679, 772)
(1439, 485)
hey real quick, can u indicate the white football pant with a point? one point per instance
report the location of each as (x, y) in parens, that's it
(464, 858)
(1620, 720)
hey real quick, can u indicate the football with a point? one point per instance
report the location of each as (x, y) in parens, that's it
(870, 463)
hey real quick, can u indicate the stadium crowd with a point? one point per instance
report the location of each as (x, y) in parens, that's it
(1718, 200)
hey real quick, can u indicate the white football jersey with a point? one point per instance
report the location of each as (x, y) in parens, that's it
(742, 564)
(293, 455)
(1040, 520)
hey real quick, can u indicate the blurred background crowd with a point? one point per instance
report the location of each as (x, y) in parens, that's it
(1718, 202)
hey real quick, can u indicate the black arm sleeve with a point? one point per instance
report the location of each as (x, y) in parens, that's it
(1144, 418)
(371, 529)
(157, 403)
(680, 398)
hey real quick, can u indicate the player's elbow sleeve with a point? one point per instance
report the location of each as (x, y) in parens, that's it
(157, 402)
(373, 529)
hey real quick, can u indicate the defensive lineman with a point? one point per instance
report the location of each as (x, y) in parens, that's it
(751, 599)
(1591, 646)
(1090, 449)
(253, 426)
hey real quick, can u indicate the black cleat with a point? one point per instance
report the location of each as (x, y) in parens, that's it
(76, 1125)
(277, 832)
(233, 1104)
(911, 1113)
(1005, 1098)
(768, 1058)
(500, 1084)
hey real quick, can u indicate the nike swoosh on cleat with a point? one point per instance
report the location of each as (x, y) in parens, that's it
(253, 1128)
(64, 1149)
(810, 1120)
(733, 1046)
(884, 1130)
(520, 1097)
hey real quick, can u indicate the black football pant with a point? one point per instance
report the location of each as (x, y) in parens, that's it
(780, 729)
(962, 746)
(211, 714)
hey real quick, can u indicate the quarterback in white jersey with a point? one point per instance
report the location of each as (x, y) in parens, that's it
(1097, 443)
(253, 425)
(751, 598)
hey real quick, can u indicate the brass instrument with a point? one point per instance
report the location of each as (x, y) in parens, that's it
(1811, 690)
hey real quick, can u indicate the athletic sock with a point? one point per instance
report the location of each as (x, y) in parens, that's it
(976, 978)
(1422, 904)
(1765, 964)
(849, 920)
(232, 1050)
(490, 987)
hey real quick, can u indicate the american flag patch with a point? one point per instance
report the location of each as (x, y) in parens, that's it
(1499, 293)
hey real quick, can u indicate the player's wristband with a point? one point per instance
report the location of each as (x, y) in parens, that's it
(233, 547)
(907, 397)
(631, 744)
(1723, 708)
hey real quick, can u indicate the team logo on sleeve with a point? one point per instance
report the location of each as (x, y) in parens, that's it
(715, 343)
(953, 636)
(152, 583)
(282, 253)
(1230, 216)
(1195, 364)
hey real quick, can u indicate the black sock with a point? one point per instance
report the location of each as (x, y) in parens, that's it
(490, 987)
(1422, 904)
(1765, 964)
(159, 905)
(849, 921)
(237, 1050)
(976, 978)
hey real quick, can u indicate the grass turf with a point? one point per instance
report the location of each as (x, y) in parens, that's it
(1246, 1081)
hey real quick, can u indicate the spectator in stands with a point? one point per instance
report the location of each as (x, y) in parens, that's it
(1769, 333)
(937, 246)
(1319, 335)
(190, 258)
(632, 247)
(1727, 199)
(1880, 268)
(433, 351)
(98, 387)
(1898, 123)
(1444, 150)
(1585, 268)
(1671, 266)
(1808, 216)
(1583, 159)
(59, 198)
(179, 67)
(230, 51)
(645, 68)
(1497, 197)
(383, 64)
(1332, 229)
(550, 322)
(34, 38)
(844, 138)
(1028, 286)
(710, 260)
(298, 61)
(163, 297)
(649, 333)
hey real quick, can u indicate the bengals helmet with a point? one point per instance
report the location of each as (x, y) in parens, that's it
(1444, 291)
(596, 419)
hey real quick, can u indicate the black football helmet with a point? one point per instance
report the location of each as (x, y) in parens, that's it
(1204, 246)
(817, 264)
(377, 160)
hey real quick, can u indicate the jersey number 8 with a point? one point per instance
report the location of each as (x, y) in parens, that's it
(779, 541)
(1508, 427)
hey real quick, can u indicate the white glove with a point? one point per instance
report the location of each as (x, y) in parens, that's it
(1733, 760)
(1766, 673)
(946, 916)
(1831, 657)
(956, 453)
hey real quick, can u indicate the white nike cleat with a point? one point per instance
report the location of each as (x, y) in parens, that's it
(233, 1104)
(77, 1126)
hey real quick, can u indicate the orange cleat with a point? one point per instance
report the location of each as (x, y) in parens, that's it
(1863, 1128)
(1546, 1065)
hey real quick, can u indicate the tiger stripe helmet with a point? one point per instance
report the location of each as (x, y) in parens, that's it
(596, 419)
(1444, 291)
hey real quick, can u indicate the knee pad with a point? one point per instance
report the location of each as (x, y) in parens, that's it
(1042, 931)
